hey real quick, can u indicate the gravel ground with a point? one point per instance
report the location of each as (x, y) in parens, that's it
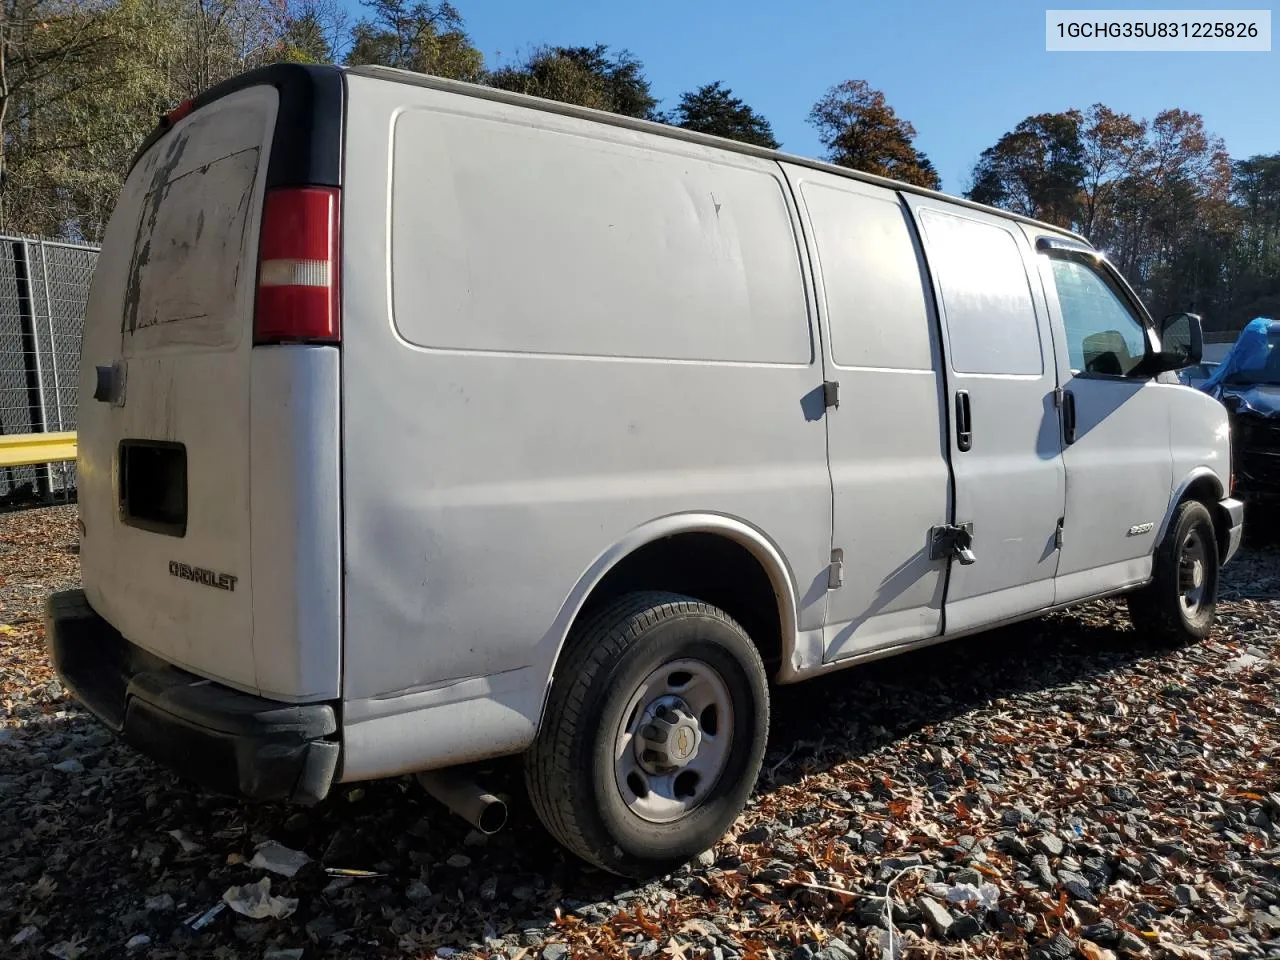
(1051, 790)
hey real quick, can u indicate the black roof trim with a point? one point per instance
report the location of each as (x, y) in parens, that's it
(307, 147)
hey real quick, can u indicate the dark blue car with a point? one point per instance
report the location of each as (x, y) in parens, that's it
(1248, 385)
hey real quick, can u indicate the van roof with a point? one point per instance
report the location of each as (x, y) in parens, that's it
(316, 150)
(679, 133)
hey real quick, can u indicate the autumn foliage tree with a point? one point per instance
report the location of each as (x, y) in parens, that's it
(1035, 169)
(1156, 195)
(860, 130)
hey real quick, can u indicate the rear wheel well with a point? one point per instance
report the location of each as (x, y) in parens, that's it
(707, 567)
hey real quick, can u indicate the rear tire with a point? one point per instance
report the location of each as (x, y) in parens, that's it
(653, 734)
(1178, 607)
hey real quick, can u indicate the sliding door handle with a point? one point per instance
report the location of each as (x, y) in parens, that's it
(964, 421)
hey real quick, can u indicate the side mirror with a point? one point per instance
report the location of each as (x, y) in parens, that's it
(1181, 341)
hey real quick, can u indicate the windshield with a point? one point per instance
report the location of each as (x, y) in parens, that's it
(1264, 369)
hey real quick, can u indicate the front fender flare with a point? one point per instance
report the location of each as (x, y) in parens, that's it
(1197, 475)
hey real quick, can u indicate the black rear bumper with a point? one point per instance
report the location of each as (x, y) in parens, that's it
(225, 740)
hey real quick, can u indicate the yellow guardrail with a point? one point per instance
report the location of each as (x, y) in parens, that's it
(25, 449)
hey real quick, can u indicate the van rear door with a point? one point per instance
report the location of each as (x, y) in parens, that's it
(170, 378)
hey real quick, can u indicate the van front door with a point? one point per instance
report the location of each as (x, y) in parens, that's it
(1118, 456)
(1005, 437)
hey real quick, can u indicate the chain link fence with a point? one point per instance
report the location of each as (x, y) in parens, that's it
(44, 285)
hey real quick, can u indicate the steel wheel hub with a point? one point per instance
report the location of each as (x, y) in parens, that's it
(674, 740)
(669, 737)
(1192, 572)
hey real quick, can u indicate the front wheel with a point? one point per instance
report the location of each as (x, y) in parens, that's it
(653, 735)
(1179, 605)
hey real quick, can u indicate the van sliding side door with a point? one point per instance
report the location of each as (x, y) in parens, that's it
(886, 438)
(1005, 437)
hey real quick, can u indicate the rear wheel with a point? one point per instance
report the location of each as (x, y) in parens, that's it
(1179, 605)
(653, 735)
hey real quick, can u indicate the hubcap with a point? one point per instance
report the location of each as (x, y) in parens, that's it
(673, 742)
(1192, 572)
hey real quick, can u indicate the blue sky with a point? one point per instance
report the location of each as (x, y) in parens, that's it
(962, 72)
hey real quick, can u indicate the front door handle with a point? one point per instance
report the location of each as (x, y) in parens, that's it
(1068, 417)
(964, 421)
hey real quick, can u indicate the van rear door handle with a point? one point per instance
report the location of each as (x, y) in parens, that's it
(109, 385)
(1068, 417)
(964, 421)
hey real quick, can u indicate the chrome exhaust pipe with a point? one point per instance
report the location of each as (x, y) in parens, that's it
(468, 800)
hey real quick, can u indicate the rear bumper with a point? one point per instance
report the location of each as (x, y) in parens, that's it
(1231, 516)
(225, 740)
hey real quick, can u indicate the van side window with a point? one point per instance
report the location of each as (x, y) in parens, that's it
(986, 296)
(875, 293)
(1103, 335)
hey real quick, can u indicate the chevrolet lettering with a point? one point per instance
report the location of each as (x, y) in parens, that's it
(209, 578)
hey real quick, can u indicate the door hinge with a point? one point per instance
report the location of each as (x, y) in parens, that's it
(1057, 535)
(835, 572)
(952, 540)
(831, 393)
(1058, 394)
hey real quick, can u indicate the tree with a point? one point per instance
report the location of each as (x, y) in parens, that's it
(1174, 195)
(49, 49)
(1255, 273)
(313, 32)
(1156, 196)
(1111, 152)
(72, 129)
(422, 37)
(1036, 169)
(860, 130)
(304, 41)
(714, 109)
(586, 76)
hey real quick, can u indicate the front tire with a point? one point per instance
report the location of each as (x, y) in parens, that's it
(653, 734)
(1179, 606)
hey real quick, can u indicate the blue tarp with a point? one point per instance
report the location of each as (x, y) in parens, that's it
(1249, 352)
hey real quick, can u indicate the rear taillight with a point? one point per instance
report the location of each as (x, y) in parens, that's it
(178, 112)
(298, 267)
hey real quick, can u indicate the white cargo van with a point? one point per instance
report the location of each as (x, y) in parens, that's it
(423, 424)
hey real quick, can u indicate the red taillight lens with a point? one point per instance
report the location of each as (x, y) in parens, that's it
(298, 267)
(178, 112)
